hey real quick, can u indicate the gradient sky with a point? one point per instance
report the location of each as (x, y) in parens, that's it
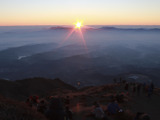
(92, 12)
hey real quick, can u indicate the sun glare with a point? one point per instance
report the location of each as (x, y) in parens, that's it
(78, 24)
(77, 30)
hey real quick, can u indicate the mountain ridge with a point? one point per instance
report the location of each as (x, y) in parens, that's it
(21, 89)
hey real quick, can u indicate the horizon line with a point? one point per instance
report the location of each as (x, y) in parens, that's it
(73, 25)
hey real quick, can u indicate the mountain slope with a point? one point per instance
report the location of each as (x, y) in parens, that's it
(21, 89)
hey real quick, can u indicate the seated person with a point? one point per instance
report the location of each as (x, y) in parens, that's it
(98, 112)
(142, 116)
(113, 107)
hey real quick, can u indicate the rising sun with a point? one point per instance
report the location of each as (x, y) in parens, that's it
(78, 24)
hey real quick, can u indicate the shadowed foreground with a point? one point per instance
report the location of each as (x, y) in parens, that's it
(82, 102)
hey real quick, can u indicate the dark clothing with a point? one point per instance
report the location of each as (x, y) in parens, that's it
(68, 115)
(134, 89)
(113, 108)
(67, 101)
(138, 88)
(55, 115)
(55, 111)
(126, 86)
(142, 116)
(120, 98)
(41, 108)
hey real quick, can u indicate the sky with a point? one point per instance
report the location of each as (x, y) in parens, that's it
(91, 12)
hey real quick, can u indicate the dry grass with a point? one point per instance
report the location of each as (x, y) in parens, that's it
(12, 110)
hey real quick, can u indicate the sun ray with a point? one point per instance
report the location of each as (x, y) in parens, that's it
(77, 28)
(70, 33)
(82, 37)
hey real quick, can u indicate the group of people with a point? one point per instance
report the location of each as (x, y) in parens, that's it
(139, 87)
(52, 107)
(55, 108)
(136, 87)
(112, 110)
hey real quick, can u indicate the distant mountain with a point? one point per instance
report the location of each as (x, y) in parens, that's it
(69, 28)
(107, 28)
(60, 28)
(106, 54)
(130, 29)
(73, 63)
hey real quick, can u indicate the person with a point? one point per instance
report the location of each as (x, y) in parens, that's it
(138, 88)
(35, 100)
(152, 87)
(126, 87)
(79, 84)
(55, 110)
(120, 98)
(145, 117)
(98, 112)
(120, 80)
(113, 107)
(134, 88)
(149, 91)
(142, 116)
(41, 107)
(144, 87)
(68, 113)
(67, 101)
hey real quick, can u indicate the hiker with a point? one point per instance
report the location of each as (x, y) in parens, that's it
(152, 86)
(142, 116)
(144, 87)
(35, 100)
(98, 112)
(134, 88)
(138, 88)
(145, 117)
(78, 84)
(55, 110)
(120, 80)
(41, 107)
(126, 87)
(149, 91)
(67, 101)
(68, 113)
(113, 107)
(120, 98)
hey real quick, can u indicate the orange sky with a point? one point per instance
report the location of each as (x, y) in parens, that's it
(92, 12)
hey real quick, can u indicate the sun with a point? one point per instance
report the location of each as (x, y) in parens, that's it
(78, 24)
(77, 30)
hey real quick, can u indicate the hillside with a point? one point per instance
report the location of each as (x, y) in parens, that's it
(95, 65)
(81, 100)
(21, 89)
(13, 110)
